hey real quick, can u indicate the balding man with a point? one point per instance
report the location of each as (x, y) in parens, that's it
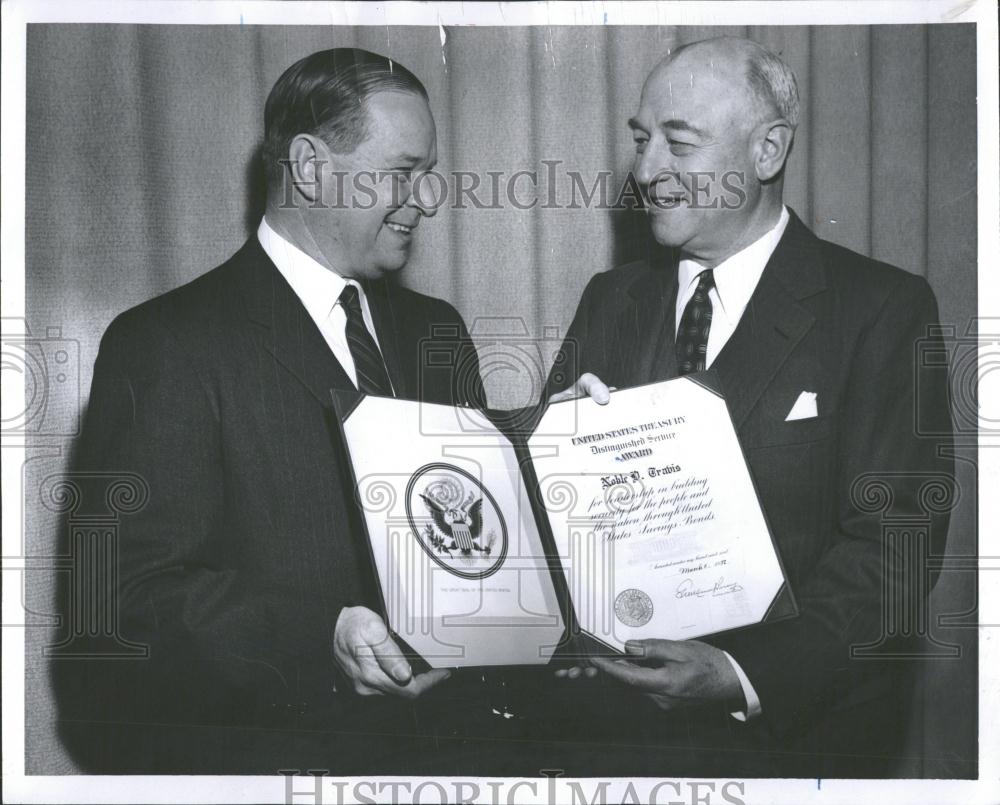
(814, 346)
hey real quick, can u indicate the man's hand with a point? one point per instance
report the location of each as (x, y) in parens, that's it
(587, 385)
(371, 659)
(577, 671)
(675, 673)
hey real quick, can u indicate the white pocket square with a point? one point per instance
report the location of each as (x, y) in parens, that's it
(804, 408)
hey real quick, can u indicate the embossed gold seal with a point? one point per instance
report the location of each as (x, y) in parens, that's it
(633, 607)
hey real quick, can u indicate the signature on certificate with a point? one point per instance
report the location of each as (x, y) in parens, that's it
(687, 589)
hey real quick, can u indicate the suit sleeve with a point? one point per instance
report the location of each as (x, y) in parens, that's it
(588, 345)
(794, 665)
(181, 590)
(468, 386)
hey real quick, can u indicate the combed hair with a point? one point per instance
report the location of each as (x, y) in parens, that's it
(769, 78)
(325, 95)
(773, 82)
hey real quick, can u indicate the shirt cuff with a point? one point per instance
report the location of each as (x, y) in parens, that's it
(753, 708)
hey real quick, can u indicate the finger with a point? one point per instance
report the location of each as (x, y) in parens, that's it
(358, 631)
(568, 673)
(636, 648)
(587, 384)
(391, 660)
(663, 650)
(569, 393)
(648, 679)
(415, 686)
(424, 682)
(370, 673)
(576, 671)
(366, 690)
(594, 387)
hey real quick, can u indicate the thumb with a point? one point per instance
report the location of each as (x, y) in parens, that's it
(587, 385)
(636, 648)
(391, 660)
(594, 387)
(649, 649)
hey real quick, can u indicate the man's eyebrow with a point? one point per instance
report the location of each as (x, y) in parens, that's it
(634, 124)
(682, 125)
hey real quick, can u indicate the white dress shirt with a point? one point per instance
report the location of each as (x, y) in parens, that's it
(735, 281)
(319, 289)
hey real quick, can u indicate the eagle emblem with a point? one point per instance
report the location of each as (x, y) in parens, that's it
(456, 521)
(459, 524)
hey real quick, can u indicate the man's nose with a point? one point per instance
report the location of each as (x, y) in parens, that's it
(426, 193)
(652, 165)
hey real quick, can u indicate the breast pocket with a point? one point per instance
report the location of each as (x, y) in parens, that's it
(797, 431)
(792, 464)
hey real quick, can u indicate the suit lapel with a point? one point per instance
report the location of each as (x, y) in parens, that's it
(774, 321)
(649, 325)
(664, 363)
(284, 328)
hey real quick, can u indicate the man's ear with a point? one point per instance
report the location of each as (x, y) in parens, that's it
(774, 142)
(306, 161)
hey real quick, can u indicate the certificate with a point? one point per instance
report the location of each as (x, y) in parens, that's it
(458, 555)
(631, 520)
(654, 516)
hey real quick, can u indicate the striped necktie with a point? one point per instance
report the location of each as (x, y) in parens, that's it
(692, 335)
(368, 364)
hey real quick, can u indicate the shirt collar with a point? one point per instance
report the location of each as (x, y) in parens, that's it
(737, 276)
(317, 286)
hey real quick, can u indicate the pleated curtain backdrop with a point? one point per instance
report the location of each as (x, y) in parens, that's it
(142, 174)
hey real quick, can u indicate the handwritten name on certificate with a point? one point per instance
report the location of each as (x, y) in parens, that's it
(654, 514)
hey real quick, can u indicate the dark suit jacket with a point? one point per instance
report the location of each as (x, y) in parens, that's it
(234, 573)
(826, 320)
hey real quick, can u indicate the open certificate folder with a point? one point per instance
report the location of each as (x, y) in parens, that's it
(637, 519)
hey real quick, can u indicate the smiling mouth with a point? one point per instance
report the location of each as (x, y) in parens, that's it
(665, 202)
(403, 229)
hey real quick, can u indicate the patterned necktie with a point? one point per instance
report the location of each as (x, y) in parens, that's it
(692, 335)
(368, 364)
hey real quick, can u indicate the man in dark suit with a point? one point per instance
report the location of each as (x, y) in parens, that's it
(815, 348)
(247, 574)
